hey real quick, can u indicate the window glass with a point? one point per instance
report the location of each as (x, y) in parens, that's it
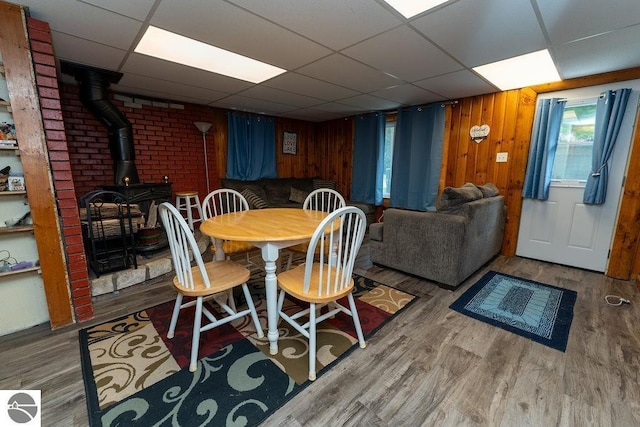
(573, 156)
(388, 157)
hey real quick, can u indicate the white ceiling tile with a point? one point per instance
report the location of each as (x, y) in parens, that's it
(68, 16)
(173, 72)
(479, 32)
(568, 20)
(408, 95)
(340, 70)
(280, 96)
(169, 88)
(333, 23)
(74, 49)
(309, 86)
(370, 103)
(609, 52)
(256, 105)
(336, 107)
(229, 27)
(141, 92)
(388, 53)
(457, 85)
(340, 51)
(138, 9)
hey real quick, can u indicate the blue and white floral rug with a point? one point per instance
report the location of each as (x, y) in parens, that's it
(536, 311)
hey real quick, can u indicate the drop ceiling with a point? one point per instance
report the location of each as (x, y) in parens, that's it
(343, 57)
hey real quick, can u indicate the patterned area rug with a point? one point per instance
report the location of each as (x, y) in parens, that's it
(134, 375)
(536, 311)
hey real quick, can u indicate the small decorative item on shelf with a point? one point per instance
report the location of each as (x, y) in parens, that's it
(4, 177)
(7, 131)
(16, 183)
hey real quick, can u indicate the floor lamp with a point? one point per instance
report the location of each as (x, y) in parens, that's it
(204, 128)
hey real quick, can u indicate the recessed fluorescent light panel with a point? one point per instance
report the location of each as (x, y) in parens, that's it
(183, 50)
(410, 8)
(521, 71)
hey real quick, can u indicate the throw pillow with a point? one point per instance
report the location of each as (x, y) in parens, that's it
(255, 201)
(324, 183)
(297, 196)
(451, 197)
(488, 190)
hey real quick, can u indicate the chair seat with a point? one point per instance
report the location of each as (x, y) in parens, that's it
(292, 282)
(223, 275)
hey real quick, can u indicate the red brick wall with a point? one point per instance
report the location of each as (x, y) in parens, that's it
(165, 139)
(47, 86)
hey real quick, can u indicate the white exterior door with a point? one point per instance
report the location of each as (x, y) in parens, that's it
(562, 229)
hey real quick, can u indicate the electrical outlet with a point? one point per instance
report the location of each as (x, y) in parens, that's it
(502, 157)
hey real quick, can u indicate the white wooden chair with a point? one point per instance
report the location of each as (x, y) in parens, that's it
(321, 283)
(212, 280)
(224, 201)
(322, 199)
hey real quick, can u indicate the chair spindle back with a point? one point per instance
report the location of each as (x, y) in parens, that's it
(337, 240)
(183, 246)
(222, 201)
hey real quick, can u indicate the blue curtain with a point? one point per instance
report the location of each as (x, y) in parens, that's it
(251, 146)
(417, 157)
(368, 158)
(542, 152)
(609, 113)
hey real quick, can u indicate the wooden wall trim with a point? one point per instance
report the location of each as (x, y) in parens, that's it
(624, 259)
(594, 80)
(518, 164)
(35, 162)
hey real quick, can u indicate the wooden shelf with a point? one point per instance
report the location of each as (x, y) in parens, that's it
(18, 229)
(24, 270)
(12, 193)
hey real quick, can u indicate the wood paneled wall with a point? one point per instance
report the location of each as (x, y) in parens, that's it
(305, 163)
(510, 118)
(335, 143)
(510, 115)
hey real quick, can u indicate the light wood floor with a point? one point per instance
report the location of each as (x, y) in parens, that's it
(430, 366)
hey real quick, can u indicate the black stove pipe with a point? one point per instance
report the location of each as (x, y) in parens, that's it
(94, 83)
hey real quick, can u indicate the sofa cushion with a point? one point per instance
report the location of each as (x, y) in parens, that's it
(297, 196)
(453, 197)
(278, 190)
(255, 201)
(323, 183)
(304, 184)
(488, 190)
(257, 187)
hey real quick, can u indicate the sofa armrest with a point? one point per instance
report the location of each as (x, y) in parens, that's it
(427, 244)
(375, 231)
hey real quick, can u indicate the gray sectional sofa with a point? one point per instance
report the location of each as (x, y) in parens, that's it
(445, 246)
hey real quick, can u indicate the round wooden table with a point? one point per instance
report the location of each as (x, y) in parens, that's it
(270, 230)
